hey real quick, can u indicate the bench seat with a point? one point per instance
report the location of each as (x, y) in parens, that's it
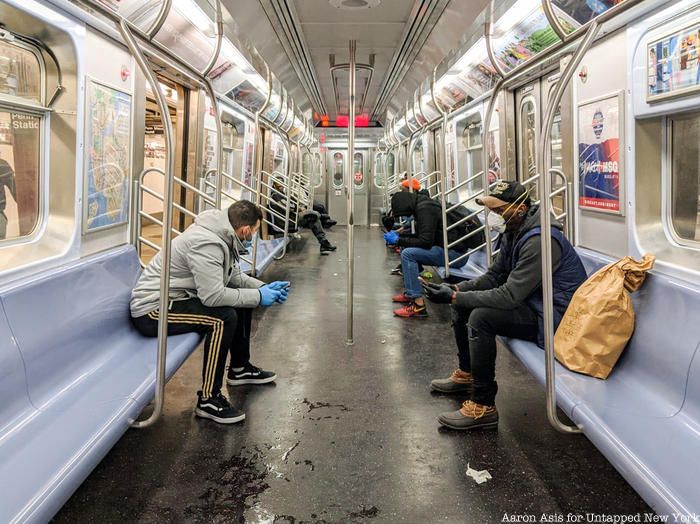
(81, 374)
(645, 418)
(267, 251)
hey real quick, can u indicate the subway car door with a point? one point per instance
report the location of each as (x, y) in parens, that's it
(531, 104)
(337, 203)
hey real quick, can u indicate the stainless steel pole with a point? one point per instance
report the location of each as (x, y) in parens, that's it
(350, 190)
(545, 186)
(258, 161)
(443, 174)
(167, 225)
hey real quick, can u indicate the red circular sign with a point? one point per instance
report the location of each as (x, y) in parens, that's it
(358, 177)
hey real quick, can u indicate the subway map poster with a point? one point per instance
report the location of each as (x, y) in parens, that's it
(599, 155)
(108, 157)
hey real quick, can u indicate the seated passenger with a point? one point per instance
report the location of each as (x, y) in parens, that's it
(506, 301)
(326, 221)
(209, 294)
(424, 247)
(309, 218)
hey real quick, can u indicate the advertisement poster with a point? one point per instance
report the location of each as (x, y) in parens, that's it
(599, 155)
(517, 42)
(673, 64)
(108, 157)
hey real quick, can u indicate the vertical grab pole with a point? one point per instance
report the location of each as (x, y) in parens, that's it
(487, 125)
(443, 174)
(215, 103)
(350, 193)
(545, 187)
(258, 160)
(167, 225)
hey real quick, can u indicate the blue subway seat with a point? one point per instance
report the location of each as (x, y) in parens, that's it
(474, 268)
(267, 251)
(645, 418)
(75, 374)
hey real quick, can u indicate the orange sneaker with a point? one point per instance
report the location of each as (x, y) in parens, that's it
(412, 310)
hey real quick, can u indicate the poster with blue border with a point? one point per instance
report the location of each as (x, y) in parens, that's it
(107, 157)
(673, 64)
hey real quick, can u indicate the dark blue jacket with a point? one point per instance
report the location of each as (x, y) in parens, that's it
(515, 277)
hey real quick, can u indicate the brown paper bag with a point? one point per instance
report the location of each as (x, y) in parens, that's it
(600, 318)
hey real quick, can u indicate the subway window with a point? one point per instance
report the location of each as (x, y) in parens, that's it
(317, 181)
(20, 142)
(685, 176)
(379, 170)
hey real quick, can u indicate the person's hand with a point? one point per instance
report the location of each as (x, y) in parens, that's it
(279, 285)
(268, 295)
(439, 293)
(391, 238)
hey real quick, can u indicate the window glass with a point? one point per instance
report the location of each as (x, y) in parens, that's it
(528, 140)
(20, 72)
(338, 170)
(359, 170)
(685, 176)
(317, 170)
(379, 170)
(307, 164)
(19, 173)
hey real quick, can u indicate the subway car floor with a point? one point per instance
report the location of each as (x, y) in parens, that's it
(348, 434)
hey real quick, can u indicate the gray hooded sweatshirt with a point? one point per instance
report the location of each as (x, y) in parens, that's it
(203, 264)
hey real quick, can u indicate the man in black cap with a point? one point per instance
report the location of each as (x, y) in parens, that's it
(506, 300)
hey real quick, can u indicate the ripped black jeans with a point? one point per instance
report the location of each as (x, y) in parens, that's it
(475, 332)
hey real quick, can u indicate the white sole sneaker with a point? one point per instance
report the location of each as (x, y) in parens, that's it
(244, 381)
(231, 420)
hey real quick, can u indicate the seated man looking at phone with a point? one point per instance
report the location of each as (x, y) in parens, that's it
(210, 294)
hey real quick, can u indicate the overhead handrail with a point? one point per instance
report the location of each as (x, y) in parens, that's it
(545, 184)
(167, 225)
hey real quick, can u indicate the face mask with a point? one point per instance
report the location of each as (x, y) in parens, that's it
(496, 222)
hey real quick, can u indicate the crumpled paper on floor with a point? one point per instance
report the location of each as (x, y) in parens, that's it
(479, 476)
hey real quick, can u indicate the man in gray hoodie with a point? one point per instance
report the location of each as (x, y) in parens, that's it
(210, 295)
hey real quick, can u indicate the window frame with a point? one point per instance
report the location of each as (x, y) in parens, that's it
(26, 106)
(668, 186)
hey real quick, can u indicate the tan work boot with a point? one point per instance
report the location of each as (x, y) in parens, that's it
(470, 416)
(459, 382)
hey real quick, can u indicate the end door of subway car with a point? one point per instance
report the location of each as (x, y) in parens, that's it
(337, 164)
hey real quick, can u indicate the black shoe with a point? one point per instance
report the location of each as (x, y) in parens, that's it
(329, 224)
(249, 375)
(218, 409)
(397, 271)
(327, 247)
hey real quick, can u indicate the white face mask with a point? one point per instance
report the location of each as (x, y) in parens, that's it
(496, 222)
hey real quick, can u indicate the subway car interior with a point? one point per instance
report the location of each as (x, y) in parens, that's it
(275, 261)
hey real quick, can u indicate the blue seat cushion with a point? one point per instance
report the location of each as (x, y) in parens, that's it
(267, 251)
(89, 375)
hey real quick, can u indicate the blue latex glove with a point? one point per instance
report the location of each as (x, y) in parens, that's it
(268, 295)
(279, 285)
(391, 238)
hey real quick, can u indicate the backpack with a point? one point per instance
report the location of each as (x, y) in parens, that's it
(469, 225)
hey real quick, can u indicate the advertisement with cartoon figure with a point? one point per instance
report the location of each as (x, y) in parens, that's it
(599, 155)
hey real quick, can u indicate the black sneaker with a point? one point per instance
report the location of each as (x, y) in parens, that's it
(397, 271)
(327, 247)
(249, 375)
(218, 409)
(329, 224)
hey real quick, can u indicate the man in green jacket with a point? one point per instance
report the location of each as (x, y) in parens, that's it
(209, 294)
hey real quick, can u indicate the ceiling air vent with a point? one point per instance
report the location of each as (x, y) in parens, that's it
(354, 4)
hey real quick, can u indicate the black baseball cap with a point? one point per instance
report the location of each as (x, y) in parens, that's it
(505, 192)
